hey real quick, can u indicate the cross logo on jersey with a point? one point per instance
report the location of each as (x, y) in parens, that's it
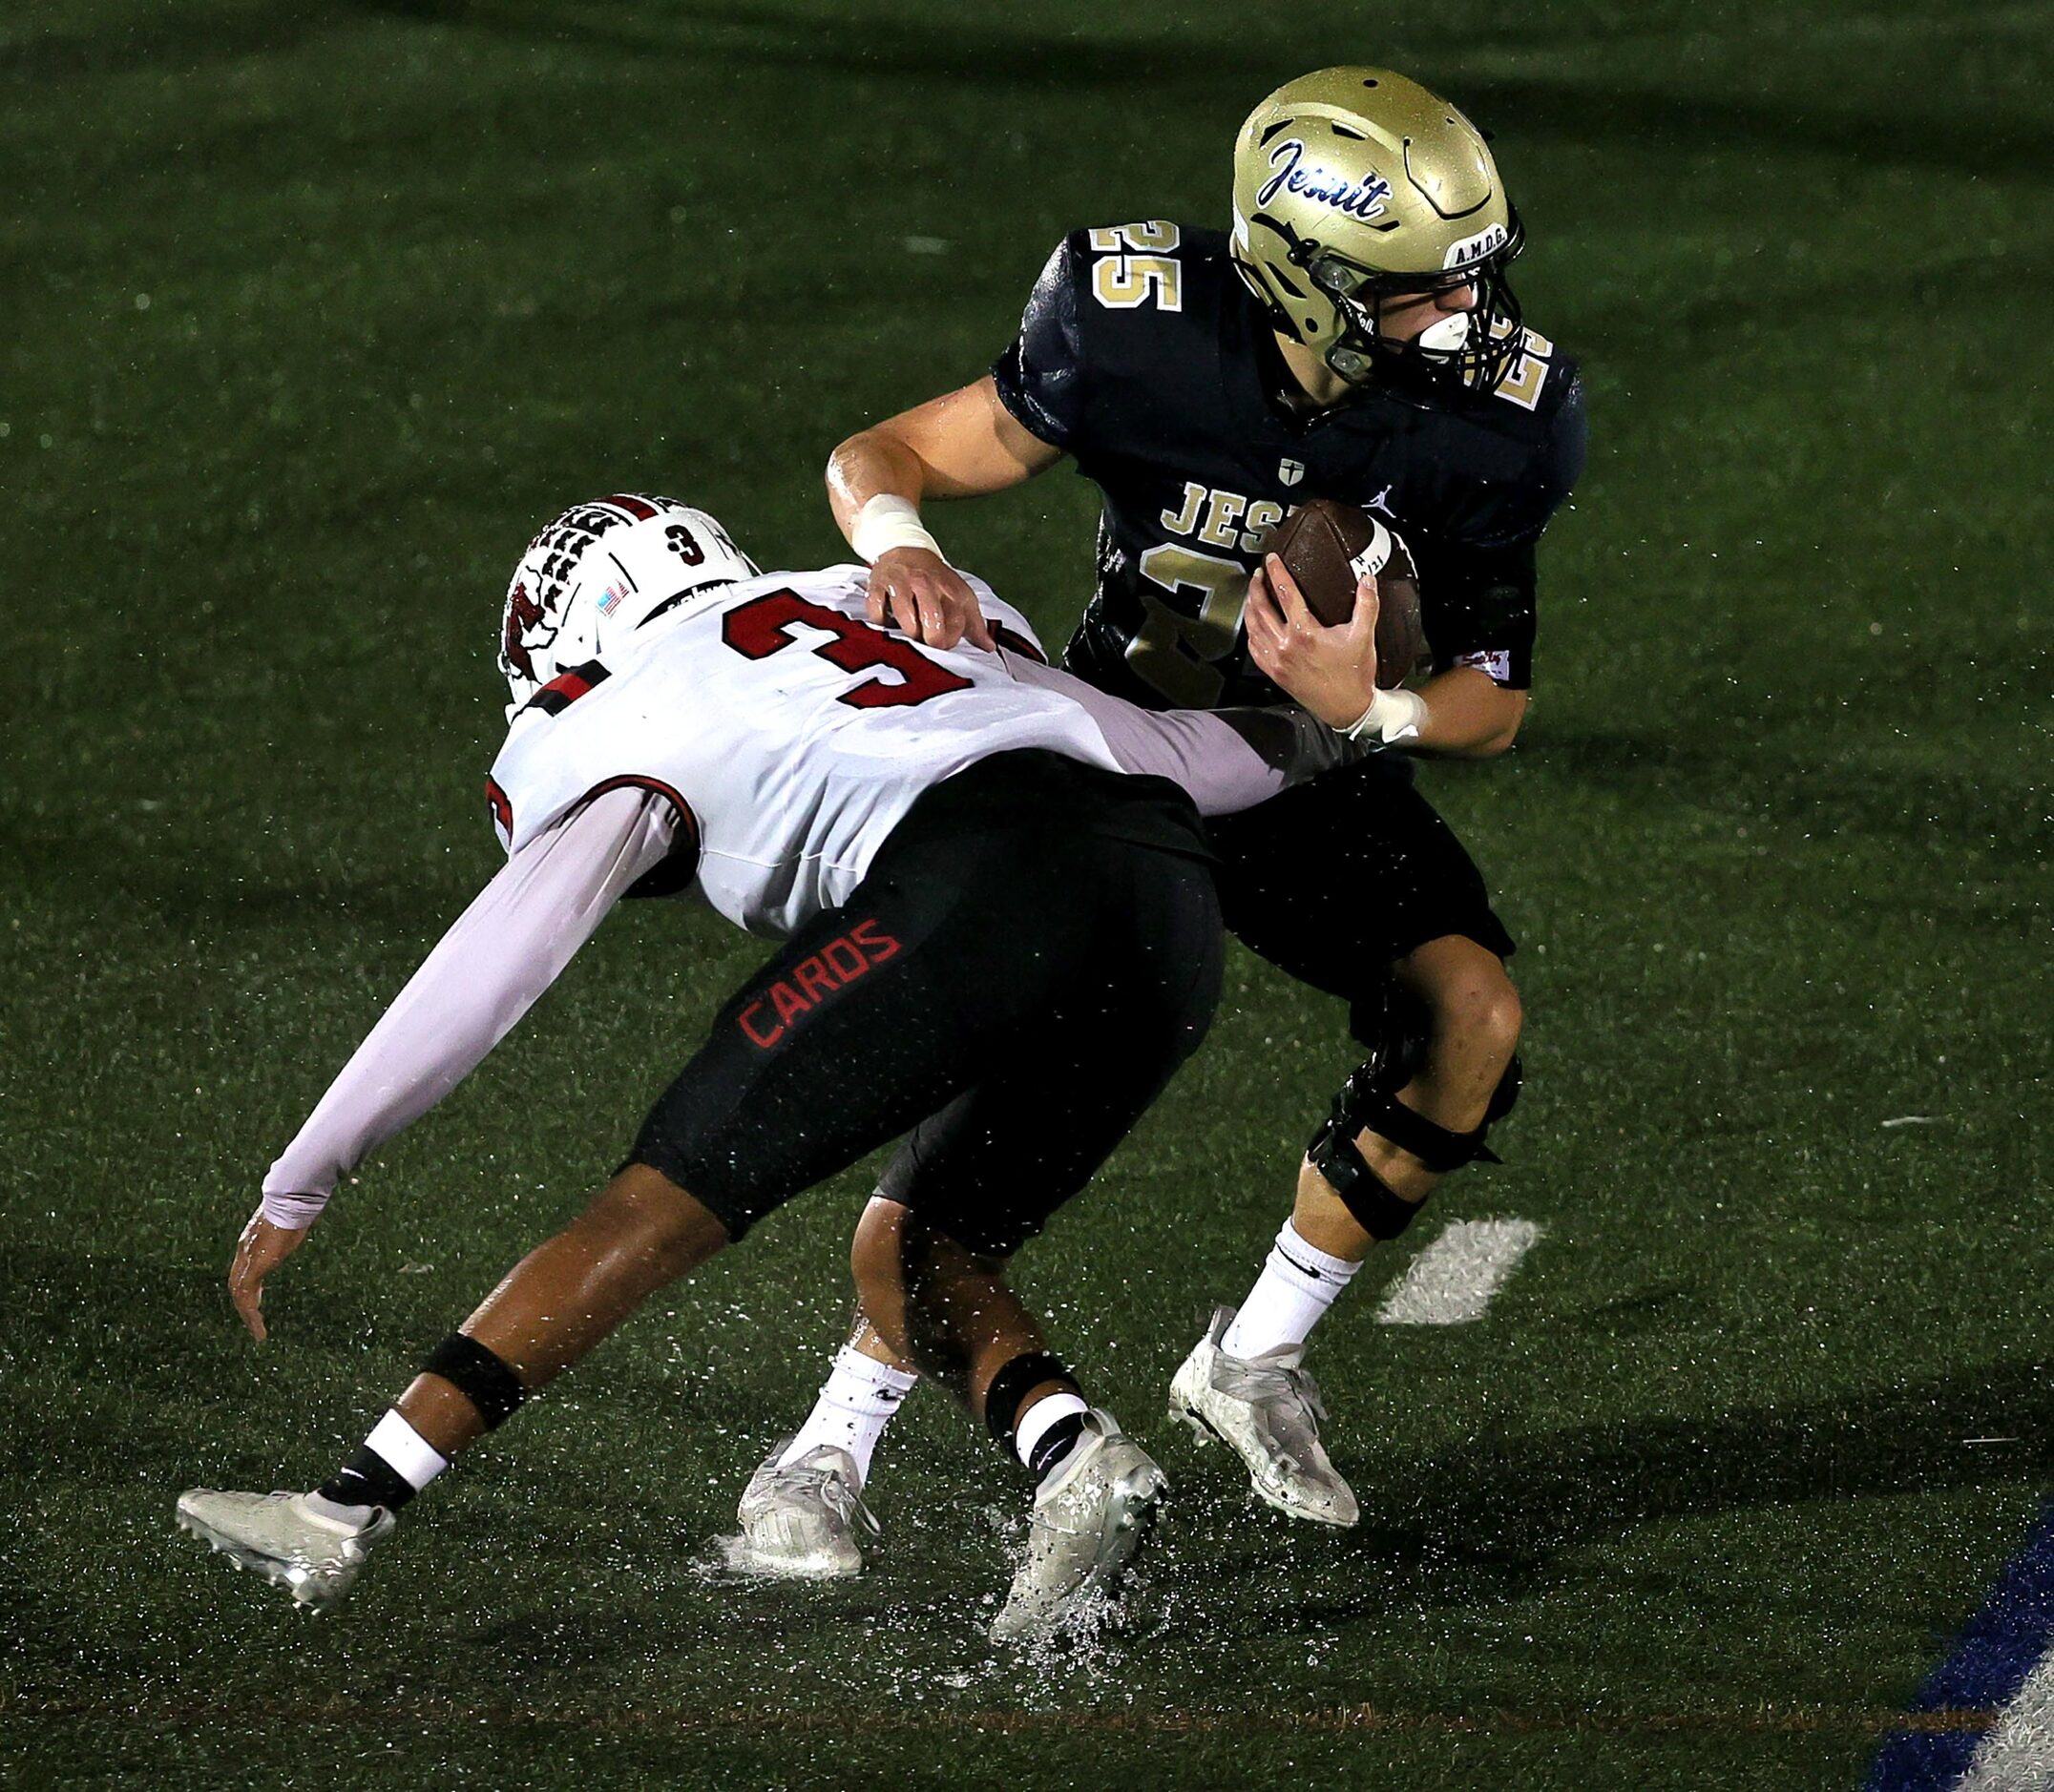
(1290, 472)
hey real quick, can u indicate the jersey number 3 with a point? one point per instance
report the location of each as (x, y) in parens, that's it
(761, 627)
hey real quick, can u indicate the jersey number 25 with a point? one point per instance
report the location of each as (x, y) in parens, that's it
(1137, 269)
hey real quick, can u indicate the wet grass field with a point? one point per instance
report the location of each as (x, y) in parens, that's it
(316, 312)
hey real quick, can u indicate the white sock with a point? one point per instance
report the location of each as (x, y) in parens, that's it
(856, 1404)
(344, 1517)
(1298, 1284)
(1035, 1423)
(403, 1449)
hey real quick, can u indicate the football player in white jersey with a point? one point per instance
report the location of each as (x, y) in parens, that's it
(996, 905)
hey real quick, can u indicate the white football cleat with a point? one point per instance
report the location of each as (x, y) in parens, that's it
(1090, 1517)
(315, 1559)
(1267, 1409)
(801, 1522)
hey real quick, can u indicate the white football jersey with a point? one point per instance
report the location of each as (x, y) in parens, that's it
(767, 736)
(789, 734)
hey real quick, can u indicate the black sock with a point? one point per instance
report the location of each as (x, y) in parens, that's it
(368, 1480)
(1056, 1444)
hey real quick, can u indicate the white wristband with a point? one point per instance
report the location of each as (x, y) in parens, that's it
(886, 522)
(1393, 717)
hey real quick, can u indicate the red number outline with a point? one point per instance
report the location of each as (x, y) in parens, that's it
(761, 627)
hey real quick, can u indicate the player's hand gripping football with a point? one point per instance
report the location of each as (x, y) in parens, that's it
(261, 1249)
(926, 598)
(1331, 672)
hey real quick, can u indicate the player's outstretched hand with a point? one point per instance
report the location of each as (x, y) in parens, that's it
(922, 595)
(1331, 672)
(261, 1249)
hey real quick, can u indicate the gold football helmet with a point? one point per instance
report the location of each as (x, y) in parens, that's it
(1357, 187)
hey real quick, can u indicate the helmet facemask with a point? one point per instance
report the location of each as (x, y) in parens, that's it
(1473, 349)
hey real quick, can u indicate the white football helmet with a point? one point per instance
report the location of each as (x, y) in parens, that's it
(599, 572)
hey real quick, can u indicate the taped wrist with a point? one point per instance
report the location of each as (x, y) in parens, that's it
(482, 1376)
(1393, 717)
(1014, 1380)
(889, 521)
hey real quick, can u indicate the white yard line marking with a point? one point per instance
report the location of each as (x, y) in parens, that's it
(2018, 1755)
(1453, 1280)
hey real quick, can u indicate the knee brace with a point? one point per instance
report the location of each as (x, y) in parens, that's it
(482, 1376)
(1369, 1101)
(1393, 1024)
(1395, 1027)
(1505, 1097)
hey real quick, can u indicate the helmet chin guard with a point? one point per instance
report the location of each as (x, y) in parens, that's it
(1474, 348)
(1356, 189)
(599, 572)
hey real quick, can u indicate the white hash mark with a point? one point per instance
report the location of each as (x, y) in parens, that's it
(1453, 1280)
(1915, 1119)
(2018, 1755)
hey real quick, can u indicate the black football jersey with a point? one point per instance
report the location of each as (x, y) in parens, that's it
(1144, 356)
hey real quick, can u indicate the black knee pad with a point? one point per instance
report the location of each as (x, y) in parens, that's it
(482, 1376)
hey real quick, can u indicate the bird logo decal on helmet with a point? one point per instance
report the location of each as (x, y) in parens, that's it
(597, 573)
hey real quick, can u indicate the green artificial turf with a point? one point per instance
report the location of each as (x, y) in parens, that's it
(316, 312)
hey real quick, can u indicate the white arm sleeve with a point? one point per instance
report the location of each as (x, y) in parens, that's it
(485, 973)
(1226, 759)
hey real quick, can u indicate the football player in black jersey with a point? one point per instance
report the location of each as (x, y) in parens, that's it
(1353, 337)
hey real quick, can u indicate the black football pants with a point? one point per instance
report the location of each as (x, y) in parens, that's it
(1031, 956)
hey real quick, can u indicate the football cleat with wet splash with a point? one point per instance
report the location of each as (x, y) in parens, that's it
(1090, 1517)
(803, 1521)
(316, 1558)
(1267, 1409)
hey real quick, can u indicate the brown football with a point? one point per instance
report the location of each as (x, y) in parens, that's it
(1324, 546)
